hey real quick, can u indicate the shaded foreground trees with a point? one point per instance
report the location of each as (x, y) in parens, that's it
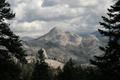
(72, 71)
(8, 39)
(10, 46)
(109, 62)
(41, 70)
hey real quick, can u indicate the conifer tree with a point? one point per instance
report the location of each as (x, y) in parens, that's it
(41, 71)
(8, 39)
(68, 72)
(10, 45)
(109, 62)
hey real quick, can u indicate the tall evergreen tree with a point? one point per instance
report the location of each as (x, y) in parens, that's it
(41, 71)
(9, 70)
(7, 38)
(109, 62)
(10, 45)
(68, 72)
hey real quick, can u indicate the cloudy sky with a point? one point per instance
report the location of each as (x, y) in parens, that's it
(37, 17)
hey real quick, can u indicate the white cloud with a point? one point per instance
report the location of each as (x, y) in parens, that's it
(20, 12)
(38, 16)
(28, 26)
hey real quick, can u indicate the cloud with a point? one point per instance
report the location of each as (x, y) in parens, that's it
(71, 3)
(75, 3)
(39, 16)
(30, 28)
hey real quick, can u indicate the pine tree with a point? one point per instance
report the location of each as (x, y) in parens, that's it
(68, 72)
(41, 71)
(109, 62)
(7, 38)
(41, 56)
(10, 46)
(9, 70)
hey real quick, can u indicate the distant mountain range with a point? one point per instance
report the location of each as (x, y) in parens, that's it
(62, 45)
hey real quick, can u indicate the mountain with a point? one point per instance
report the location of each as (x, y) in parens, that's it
(27, 38)
(96, 33)
(63, 45)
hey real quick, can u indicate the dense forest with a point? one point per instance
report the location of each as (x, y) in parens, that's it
(14, 66)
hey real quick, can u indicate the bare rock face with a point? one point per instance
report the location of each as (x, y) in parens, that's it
(59, 37)
(44, 53)
(64, 45)
(54, 64)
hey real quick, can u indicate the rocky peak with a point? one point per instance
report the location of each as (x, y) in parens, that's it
(57, 30)
(44, 53)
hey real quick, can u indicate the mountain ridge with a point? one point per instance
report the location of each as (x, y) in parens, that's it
(64, 45)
